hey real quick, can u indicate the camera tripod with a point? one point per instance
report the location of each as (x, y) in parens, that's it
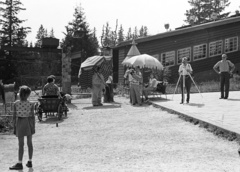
(184, 85)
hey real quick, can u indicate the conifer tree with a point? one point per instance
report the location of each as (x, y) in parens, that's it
(12, 33)
(202, 10)
(78, 36)
(120, 34)
(51, 34)
(40, 35)
(129, 34)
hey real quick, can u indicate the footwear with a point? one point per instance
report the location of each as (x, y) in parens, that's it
(100, 104)
(225, 97)
(17, 166)
(187, 101)
(221, 98)
(29, 164)
(181, 102)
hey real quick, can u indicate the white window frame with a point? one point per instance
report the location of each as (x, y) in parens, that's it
(209, 45)
(229, 43)
(194, 51)
(179, 61)
(170, 53)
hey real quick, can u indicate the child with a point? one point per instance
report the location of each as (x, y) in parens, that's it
(24, 125)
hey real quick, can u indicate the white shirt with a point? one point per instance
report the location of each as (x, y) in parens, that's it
(153, 82)
(183, 69)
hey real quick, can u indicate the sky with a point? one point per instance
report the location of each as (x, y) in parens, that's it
(154, 14)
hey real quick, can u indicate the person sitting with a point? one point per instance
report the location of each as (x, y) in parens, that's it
(50, 90)
(152, 86)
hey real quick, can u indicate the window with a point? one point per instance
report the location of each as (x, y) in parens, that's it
(215, 48)
(185, 52)
(231, 44)
(168, 58)
(199, 51)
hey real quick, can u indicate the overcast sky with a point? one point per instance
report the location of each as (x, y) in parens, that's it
(130, 13)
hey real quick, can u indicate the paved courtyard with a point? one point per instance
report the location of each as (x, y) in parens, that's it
(208, 107)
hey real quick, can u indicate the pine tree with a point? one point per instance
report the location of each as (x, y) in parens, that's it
(202, 10)
(51, 34)
(106, 35)
(12, 32)
(145, 31)
(129, 34)
(120, 34)
(40, 35)
(141, 32)
(136, 33)
(78, 36)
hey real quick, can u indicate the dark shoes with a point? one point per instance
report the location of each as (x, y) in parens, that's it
(29, 164)
(146, 100)
(221, 98)
(17, 166)
(98, 104)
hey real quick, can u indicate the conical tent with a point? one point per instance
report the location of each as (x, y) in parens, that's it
(132, 52)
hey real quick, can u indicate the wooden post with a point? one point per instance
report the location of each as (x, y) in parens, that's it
(66, 73)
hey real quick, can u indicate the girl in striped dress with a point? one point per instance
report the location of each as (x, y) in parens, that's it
(24, 125)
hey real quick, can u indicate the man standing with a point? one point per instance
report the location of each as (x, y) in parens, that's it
(224, 68)
(98, 85)
(185, 70)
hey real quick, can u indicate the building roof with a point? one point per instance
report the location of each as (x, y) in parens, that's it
(182, 30)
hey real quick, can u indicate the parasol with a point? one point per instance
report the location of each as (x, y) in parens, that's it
(144, 60)
(93, 61)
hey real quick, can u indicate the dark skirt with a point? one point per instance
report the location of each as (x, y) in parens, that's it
(108, 96)
(25, 126)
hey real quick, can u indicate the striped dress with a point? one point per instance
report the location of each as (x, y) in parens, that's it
(24, 119)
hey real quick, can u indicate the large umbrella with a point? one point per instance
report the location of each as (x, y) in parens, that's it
(144, 60)
(93, 61)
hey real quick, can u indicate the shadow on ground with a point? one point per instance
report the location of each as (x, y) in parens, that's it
(159, 99)
(103, 107)
(233, 99)
(72, 106)
(199, 105)
(52, 120)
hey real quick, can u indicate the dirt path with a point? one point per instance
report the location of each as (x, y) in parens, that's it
(120, 137)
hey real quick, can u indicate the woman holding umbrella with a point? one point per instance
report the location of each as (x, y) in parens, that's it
(135, 88)
(98, 84)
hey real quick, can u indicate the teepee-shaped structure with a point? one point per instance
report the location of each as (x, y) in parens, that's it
(132, 52)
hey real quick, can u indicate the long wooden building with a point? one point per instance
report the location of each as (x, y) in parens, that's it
(202, 44)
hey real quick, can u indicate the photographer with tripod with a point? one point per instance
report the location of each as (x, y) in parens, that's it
(185, 71)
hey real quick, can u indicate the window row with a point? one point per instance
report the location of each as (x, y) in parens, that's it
(199, 51)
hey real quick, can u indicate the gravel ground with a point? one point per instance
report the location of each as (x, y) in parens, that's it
(121, 137)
